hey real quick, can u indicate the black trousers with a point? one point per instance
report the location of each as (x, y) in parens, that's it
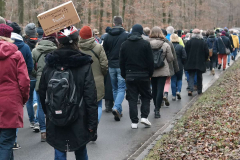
(158, 84)
(199, 80)
(134, 88)
(213, 61)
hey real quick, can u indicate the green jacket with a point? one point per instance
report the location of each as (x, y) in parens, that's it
(99, 65)
(39, 53)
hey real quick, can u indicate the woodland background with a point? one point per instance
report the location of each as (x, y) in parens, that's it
(181, 14)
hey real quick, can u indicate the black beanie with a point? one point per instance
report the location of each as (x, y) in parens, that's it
(16, 27)
(164, 32)
(137, 28)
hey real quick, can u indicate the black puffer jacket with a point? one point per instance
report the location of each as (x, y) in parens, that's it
(136, 58)
(72, 137)
(181, 55)
(112, 44)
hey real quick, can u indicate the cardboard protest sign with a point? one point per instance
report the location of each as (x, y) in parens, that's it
(59, 17)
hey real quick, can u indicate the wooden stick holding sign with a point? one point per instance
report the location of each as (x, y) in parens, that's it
(58, 18)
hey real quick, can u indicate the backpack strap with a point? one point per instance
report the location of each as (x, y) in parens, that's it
(95, 54)
(38, 58)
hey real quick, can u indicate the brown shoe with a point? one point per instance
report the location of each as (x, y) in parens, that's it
(213, 72)
(43, 137)
(189, 93)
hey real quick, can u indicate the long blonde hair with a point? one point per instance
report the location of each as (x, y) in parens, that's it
(6, 39)
(156, 32)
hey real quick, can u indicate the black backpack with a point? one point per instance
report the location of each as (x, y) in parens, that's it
(157, 57)
(61, 98)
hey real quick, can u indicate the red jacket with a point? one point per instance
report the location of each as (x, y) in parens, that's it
(14, 86)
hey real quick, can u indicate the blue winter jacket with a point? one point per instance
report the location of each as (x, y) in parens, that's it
(26, 52)
(169, 37)
(219, 47)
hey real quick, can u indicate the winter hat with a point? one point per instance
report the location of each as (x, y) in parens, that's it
(196, 31)
(67, 35)
(30, 30)
(5, 30)
(179, 33)
(137, 28)
(174, 38)
(86, 32)
(16, 28)
(52, 37)
(107, 29)
(223, 33)
(2, 20)
(170, 30)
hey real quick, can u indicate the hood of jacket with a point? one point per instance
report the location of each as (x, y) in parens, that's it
(7, 49)
(134, 36)
(87, 44)
(15, 36)
(156, 43)
(116, 31)
(19, 43)
(45, 46)
(68, 58)
(212, 38)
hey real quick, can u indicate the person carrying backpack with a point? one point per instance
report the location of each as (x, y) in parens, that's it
(137, 65)
(157, 42)
(68, 96)
(212, 53)
(176, 79)
(88, 46)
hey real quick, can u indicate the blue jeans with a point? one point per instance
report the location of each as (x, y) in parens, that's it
(41, 116)
(118, 87)
(195, 77)
(7, 139)
(234, 54)
(229, 57)
(29, 103)
(80, 154)
(176, 82)
(99, 110)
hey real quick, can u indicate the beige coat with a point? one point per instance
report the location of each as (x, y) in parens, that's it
(157, 43)
(99, 66)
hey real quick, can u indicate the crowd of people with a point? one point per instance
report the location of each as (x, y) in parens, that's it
(64, 77)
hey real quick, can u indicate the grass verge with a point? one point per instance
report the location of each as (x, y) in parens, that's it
(210, 129)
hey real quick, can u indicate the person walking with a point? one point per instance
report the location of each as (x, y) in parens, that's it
(221, 45)
(14, 91)
(235, 45)
(47, 45)
(137, 66)
(88, 46)
(69, 132)
(96, 33)
(176, 79)
(197, 55)
(112, 44)
(213, 57)
(157, 42)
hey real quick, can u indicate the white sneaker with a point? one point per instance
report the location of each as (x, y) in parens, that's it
(146, 122)
(134, 125)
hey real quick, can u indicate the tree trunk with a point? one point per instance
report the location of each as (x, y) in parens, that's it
(2, 8)
(90, 12)
(20, 11)
(101, 17)
(123, 9)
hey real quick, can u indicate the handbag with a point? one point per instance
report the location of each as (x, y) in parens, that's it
(211, 51)
(227, 50)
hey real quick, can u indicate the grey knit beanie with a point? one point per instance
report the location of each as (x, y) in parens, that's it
(2, 20)
(30, 30)
(170, 30)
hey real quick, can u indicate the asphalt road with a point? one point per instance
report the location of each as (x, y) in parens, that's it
(116, 140)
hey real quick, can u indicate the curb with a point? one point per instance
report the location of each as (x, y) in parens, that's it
(143, 151)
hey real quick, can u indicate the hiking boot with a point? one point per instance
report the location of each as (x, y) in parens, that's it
(174, 98)
(108, 105)
(16, 146)
(43, 137)
(189, 93)
(134, 125)
(165, 98)
(32, 125)
(146, 122)
(117, 115)
(36, 127)
(219, 66)
(179, 95)
(157, 114)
